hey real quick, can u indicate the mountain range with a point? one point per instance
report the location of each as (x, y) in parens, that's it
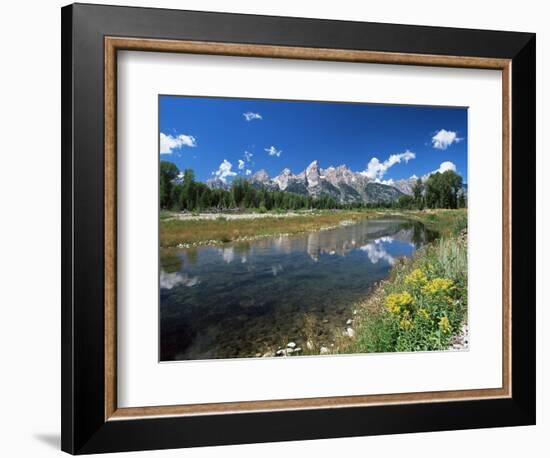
(340, 182)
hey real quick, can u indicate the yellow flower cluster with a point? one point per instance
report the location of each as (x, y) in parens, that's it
(444, 324)
(424, 313)
(411, 307)
(438, 285)
(405, 324)
(397, 301)
(416, 278)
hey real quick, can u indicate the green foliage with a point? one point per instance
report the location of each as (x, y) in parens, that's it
(424, 305)
(418, 194)
(182, 192)
(442, 190)
(168, 172)
(406, 202)
(193, 196)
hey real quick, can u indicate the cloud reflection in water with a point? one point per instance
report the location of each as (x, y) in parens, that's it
(171, 280)
(377, 252)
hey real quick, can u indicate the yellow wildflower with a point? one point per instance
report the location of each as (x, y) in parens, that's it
(424, 313)
(397, 301)
(438, 285)
(416, 278)
(405, 324)
(445, 325)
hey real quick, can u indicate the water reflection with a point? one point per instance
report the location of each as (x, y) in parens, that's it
(171, 280)
(242, 298)
(376, 250)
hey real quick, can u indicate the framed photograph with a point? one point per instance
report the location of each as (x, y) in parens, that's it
(281, 229)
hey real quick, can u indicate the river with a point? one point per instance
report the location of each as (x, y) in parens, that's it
(245, 299)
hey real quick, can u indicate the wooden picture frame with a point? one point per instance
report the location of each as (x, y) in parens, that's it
(91, 419)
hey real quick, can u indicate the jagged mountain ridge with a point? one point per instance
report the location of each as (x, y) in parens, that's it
(340, 182)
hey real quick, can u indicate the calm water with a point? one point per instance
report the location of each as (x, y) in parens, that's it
(245, 299)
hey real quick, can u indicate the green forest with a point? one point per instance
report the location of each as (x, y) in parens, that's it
(440, 190)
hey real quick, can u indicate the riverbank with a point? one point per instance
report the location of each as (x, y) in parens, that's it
(186, 230)
(422, 306)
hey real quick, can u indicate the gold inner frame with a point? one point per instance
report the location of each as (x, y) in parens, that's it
(114, 44)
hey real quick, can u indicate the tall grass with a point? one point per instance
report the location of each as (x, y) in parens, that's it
(222, 229)
(421, 307)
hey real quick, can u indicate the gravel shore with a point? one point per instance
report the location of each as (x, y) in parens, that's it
(235, 216)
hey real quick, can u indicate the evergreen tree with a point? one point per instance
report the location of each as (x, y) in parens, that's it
(418, 193)
(168, 172)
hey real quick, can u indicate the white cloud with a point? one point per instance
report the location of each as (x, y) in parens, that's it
(376, 169)
(272, 151)
(248, 172)
(224, 171)
(241, 164)
(168, 143)
(444, 138)
(443, 167)
(250, 116)
(248, 156)
(447, 165)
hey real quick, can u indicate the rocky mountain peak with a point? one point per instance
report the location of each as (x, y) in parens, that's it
(340, 183)
(286, 172)
(216, 183)
(312, 175)
(283, 179)
(260, 176)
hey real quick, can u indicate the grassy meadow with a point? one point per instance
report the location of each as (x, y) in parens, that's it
(194, 231)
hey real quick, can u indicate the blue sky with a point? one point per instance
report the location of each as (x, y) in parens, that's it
(228, 137)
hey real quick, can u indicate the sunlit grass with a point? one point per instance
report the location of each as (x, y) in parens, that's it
(221, 229)
(174, 231)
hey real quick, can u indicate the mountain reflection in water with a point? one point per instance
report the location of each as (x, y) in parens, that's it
(244, 298)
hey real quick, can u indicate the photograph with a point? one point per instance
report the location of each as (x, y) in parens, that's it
(295, 228)
(280, 225)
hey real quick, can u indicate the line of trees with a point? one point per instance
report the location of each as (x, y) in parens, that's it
(188, 194)
(184, 193)
(440, 190)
